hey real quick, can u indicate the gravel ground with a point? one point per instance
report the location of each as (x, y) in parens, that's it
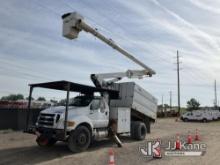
(19, 148)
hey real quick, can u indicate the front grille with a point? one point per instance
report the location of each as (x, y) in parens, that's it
(46, 119)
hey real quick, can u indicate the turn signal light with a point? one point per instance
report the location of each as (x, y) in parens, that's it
(70, 123)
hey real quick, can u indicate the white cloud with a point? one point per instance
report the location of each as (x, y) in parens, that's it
(33, 49)
(211, 6)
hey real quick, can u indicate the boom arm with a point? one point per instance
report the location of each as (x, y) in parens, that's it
(106, 80)
(73, 23)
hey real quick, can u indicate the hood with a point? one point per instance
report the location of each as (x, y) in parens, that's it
(61, 110)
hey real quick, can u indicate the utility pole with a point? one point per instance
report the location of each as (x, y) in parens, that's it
(162, 103)
(170, 100)
(178, 82)
(216, 99)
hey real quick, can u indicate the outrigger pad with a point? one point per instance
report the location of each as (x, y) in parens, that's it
(117, 140)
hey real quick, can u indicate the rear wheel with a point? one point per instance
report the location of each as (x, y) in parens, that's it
(138, 130)
(79, 139)
(44, 141)
(132, 131)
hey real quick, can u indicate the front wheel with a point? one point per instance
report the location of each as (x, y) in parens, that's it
(185, 119)
(79, 139)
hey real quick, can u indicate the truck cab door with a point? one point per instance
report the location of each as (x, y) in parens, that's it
(99, 113)
(194, 117)
(198, 116)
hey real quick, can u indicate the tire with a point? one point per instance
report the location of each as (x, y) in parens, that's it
(79, 139)
(132, 130)
(148, 126)
(204, 120)
(43, 141)
(138, 131)
(185, 120)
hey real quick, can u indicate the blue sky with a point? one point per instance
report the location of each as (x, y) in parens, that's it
(33, 50)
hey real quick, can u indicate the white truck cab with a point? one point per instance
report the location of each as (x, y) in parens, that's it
(87, 112)
(92, 110)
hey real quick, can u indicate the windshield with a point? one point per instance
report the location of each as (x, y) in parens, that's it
(81, 101)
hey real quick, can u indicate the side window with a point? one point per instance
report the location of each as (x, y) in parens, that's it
(189, 114)
(95, 104)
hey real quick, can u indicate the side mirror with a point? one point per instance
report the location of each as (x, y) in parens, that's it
(102, 106)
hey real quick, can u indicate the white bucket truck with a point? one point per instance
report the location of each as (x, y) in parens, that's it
(120, 108)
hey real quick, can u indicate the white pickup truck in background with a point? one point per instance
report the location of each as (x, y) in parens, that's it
(201, 115)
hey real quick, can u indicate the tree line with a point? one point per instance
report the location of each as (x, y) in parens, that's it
(15, 97)
(192, 104)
